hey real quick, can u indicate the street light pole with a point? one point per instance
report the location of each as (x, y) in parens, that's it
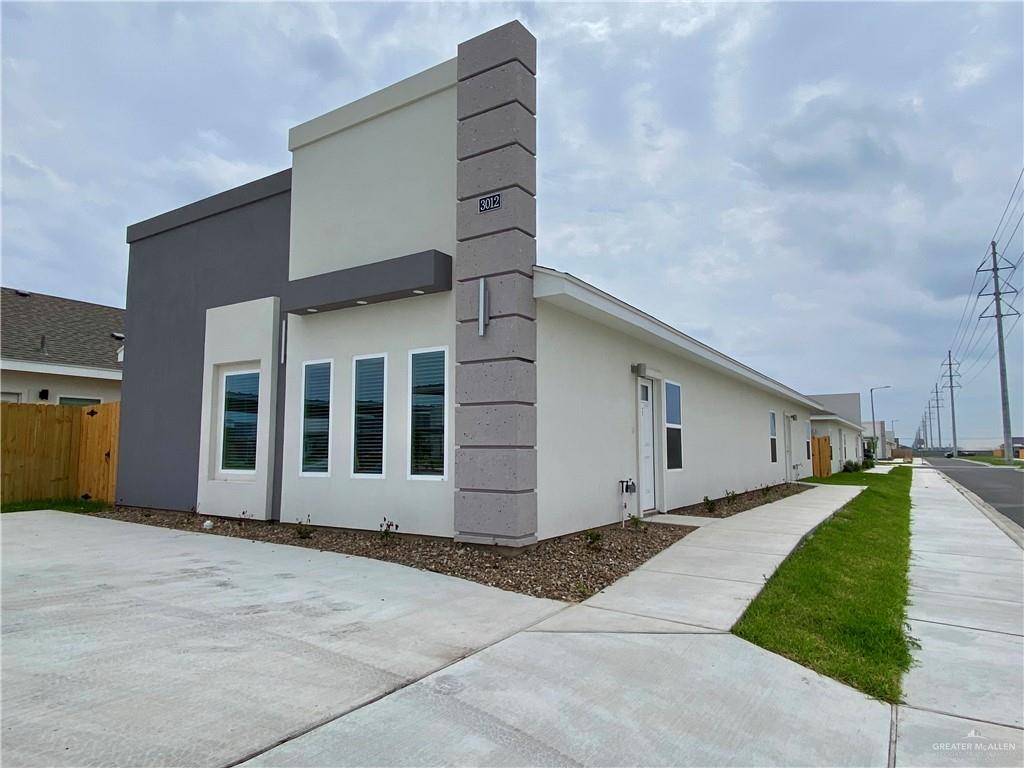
(874, 424)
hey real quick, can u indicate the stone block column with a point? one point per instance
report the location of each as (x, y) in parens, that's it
(495, 374)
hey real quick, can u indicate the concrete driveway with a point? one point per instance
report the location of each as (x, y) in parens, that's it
(133, 645)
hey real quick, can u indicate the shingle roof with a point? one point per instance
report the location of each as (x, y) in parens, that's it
(76, 332)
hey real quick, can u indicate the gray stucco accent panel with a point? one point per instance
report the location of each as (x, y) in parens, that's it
(505, 337)
(497, 87)
(504, 126)
(518, 211)
(510, 294)
(492, 425)
(253, 192)
(173, 278)
(512, 250)
(495, 417)
(496, 469)
(496, 518)
(509, 42)
(425, 272)
(514, 381)
(510, 166)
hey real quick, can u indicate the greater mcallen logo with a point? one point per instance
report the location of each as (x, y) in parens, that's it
(974, 742)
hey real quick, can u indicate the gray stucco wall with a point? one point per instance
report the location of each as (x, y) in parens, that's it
(229, 248)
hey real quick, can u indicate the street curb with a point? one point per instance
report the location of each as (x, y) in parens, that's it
(1010, 528)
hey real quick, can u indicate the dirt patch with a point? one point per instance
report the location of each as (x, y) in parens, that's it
(732, 504)
(568, 568)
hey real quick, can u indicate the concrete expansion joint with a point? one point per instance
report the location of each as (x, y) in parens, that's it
(505, 103)
(503, 273)
(496, 491)
(499, 317)
(502, 63)
(498, 360)
(492, 190)
(495, 232)
(496, 148)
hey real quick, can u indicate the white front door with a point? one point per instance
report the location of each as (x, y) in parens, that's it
(646, 415)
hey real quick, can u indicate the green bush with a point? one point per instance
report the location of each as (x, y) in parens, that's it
(851, 466)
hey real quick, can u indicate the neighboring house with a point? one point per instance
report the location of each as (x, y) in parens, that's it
(59, 351)
(840, 422)
(884, 439)
(367, 334)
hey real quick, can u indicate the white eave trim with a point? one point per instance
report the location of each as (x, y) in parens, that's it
(837, 419)
(61, 370)
(572, 293)
(419, 86)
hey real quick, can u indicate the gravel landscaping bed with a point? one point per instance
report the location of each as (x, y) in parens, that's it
(569, 568)
(727, 506)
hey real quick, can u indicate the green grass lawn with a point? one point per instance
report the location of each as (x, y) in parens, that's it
(63, 505)
(838, 603)
(999, 462)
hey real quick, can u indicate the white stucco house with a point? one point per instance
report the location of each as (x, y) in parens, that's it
(369, 334)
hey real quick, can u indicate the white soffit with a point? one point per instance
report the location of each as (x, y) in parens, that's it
(419, 86)
(838, 420)
(61, 370)
(571, 293)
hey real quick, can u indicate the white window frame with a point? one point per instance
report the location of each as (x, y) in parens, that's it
(99, 400)
(668, 425)
(220, 417)
(384, 422)
(807, 441)
(773, 424)
(330, 418)
(443, 477)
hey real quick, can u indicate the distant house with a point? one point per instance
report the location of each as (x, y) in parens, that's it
(59, 351)
(839, 420)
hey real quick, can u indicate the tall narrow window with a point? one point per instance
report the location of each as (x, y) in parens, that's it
(773, 437)
(316, 417)
(673, 426)
(238, 430)
(368, 375)
(807, 441)
(427, 413)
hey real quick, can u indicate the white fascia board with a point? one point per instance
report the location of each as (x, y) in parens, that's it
(574, 295)
(838, 420)
(419, 86)
(61, 370)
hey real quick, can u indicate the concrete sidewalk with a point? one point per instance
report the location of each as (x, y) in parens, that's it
(644, 673)
(967, 612)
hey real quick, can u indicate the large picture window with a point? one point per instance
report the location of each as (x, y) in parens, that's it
(368, 386)
(316, 417)
(238, 430)
(427, 413)
(773, 441)
(673, 426)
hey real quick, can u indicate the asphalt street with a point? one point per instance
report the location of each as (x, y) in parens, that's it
(1002, 487)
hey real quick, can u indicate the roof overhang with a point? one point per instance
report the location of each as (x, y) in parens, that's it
(837, 419)
(57, 369)
(581, 298)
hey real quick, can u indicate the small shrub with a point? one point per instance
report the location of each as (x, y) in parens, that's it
(388, 529)
(851, 466)
(592, 539)
(868, 463)
(303, 530)
(637, 523)
(730, 496)
(582, 590)
(709, 505)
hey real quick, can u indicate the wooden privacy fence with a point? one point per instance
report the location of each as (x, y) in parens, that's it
(821, 456)
(58, 451)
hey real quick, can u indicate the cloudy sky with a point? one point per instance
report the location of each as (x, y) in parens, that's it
(807, 187)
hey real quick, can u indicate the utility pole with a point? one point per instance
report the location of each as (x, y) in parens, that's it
(938, 415)
(952, 401)
(931, 443)
(997, 296)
